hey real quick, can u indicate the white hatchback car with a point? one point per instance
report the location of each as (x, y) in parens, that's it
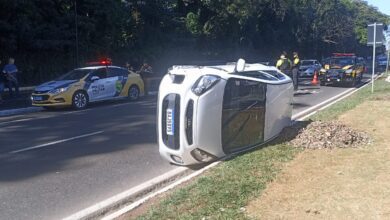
(207, 112)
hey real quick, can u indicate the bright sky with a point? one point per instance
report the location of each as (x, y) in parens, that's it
(382, 5)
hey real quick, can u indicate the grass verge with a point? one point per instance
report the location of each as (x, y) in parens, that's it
(222, 192)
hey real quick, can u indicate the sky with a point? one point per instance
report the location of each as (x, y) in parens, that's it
(382, 5)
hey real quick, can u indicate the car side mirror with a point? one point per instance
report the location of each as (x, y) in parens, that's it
(94, 78)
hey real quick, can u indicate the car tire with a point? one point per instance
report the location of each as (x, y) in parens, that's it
(80, 100)
(133, 93)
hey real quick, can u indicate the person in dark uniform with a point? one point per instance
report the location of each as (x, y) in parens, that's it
(295, 70)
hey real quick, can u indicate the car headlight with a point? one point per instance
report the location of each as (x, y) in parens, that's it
(204, 83)
(59, 90)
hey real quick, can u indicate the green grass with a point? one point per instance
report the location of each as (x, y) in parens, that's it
(226, 188)
(381, 88)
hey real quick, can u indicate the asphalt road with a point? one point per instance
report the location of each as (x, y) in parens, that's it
(53, 164)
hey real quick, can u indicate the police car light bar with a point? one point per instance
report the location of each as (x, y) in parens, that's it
(343, 54)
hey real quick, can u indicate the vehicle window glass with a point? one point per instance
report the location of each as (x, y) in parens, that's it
(76, 74)
(101, 73)
(343, 61)
(243, 114)
(259, 75)
(117, 72)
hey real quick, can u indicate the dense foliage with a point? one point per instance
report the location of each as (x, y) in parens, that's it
(41, 34)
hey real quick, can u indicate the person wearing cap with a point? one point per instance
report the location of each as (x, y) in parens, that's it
(284, 64)
(295, 70)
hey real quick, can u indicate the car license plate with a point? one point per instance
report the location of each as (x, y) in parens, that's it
(37, 98)
(170, 122)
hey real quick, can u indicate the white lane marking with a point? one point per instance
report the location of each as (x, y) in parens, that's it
(92, 209)
(171, 186)
(55, 142)
(321, 103)
(333, 102)
(18, 120)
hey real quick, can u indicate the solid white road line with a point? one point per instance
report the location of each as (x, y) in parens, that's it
(92, 209)
(55, 142)
(165, 189)
(18, 120)
(294, 117)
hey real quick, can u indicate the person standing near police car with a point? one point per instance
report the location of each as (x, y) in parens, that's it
(11, 72)
(295, 70)
(284, 64)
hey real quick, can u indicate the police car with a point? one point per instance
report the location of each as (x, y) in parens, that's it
(82, 86)
(344, 68)
(207, 112)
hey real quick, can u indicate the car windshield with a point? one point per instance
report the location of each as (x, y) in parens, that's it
(307, 62)
(75, 74)
(342, 61)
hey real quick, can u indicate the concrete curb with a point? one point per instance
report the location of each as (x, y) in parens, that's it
(104, 207)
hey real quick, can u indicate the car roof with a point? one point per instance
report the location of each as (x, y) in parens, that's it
(309, 60)
(98, 67)
(225, 71)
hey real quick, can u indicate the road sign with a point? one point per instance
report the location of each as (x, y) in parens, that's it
(375, 34)
(375, 38)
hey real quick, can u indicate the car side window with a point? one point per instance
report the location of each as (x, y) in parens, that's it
(113, 72)
(101, 73)
(243, 114)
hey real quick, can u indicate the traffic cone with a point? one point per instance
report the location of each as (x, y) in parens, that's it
(315, 79)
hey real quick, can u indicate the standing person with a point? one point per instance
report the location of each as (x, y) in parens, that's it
(284, 64)
(295, 70)
(129, 67)
(12, 75)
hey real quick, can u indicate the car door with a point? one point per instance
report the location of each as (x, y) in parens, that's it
(113, 82)
(243, 114)
(97, 87)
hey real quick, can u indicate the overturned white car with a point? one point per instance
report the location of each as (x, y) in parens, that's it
(207, 112)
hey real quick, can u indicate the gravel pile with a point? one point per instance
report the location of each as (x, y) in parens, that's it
(318, 135)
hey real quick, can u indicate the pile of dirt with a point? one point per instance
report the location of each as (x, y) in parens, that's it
(318, 135)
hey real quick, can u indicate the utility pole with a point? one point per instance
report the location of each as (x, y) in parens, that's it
(77, 34)
(373, 60)
(374, 38)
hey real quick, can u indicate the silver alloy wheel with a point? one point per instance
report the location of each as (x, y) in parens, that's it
(133, 93)
(80, 100)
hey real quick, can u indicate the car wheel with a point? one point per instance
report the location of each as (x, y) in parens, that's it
(133, 93)
(80, 100)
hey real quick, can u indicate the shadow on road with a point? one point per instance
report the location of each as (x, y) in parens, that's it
(124, 127)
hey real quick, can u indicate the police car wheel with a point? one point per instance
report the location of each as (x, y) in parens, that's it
(133, 93)
(80, 100)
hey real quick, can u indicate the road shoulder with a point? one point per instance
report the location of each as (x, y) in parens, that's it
(338, 183)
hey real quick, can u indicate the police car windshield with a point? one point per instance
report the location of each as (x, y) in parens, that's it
(75, 74)
(342, 61)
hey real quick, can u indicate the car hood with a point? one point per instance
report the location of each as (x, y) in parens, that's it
(45, 87)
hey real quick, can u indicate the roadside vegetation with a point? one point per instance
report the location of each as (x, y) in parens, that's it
(225, 191)
(41, 34)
